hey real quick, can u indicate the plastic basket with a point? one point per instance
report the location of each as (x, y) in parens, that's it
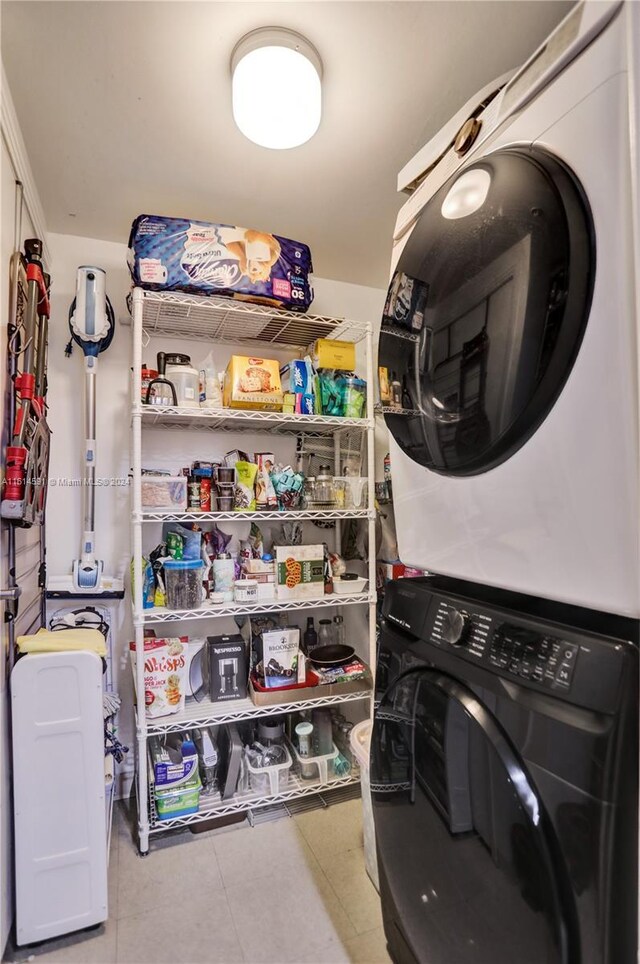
(360, 740)
(318, 768)
(269, 781)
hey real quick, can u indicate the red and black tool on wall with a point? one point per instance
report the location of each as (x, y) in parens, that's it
(27, 460)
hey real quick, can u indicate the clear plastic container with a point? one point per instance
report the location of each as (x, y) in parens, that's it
(269, 781)
(183, 579)
(164, 492)
(355, 491)
(185, 379)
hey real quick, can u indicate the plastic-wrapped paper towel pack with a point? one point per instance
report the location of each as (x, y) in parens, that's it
(172, 254)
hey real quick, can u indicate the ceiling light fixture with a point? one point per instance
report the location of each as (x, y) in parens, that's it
(276, 87)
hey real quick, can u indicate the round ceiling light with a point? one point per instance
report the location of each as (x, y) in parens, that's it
(276, 87)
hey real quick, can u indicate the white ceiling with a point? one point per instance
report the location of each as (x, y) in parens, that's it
(125, 109)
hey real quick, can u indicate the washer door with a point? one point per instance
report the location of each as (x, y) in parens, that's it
(486, 310)
(470, 870)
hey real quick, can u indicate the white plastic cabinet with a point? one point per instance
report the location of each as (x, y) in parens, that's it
(59, 794)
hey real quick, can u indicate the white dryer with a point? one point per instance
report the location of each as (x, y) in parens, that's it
(511, 322)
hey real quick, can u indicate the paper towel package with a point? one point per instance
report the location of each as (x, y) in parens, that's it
(172, 254)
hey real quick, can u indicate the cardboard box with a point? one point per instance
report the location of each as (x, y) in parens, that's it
(300, 572)
(332, 353)
(251, 382)
(227, 658)
(280, 648)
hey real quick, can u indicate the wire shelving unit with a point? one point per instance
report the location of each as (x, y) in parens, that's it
(249, 326)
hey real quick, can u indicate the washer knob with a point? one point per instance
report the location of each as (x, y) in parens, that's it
(455, 627)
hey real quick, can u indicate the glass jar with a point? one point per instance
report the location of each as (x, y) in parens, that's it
(309, 492)
(325, 633)
(339, 630)
(325, 494)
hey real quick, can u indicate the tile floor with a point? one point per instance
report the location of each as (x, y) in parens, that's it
(292, 890)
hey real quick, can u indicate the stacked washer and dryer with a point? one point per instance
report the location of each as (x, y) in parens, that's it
(504, 760)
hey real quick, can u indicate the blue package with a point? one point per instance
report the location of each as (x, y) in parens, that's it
(173, 254)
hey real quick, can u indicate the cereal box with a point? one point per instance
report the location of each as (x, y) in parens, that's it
(300, 572)
(252, 382)
(165, 663)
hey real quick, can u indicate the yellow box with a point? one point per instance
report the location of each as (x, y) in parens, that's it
(252, 382)
(331, 353)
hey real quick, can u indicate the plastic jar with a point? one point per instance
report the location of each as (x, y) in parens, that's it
(224, 571)
(183, 578)
(185, 379)
(245, 590)
(325, 633)
(355, 397)
(303, 738)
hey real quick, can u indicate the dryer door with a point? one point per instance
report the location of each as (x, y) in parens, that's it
(470, 870)
(486, 310)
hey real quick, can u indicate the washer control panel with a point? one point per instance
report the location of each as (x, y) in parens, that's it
(511, 649)
(548, 660)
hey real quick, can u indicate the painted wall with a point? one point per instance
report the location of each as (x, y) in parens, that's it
(112, 465)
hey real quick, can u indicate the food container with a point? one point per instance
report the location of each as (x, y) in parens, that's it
(184, 378)
(225, 503)
(355, 491)
(349, 584)
(147, 375)
(245, 591)
(333, 353)
(183, 580)
(162, 492)
(270, 780)
(217, 598)
(355, 397)
(223, 575)
(225, 475)
(324, 492)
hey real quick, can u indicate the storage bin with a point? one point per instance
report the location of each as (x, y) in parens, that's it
(355, 491)
(164, 492)
(269, 781)
(318, 768)
(360, 740)
(183, 579)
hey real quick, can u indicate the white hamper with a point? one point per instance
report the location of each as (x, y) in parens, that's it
(59, 794)
(360, 743)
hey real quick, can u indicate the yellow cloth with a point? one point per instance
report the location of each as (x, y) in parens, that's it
(44, 641)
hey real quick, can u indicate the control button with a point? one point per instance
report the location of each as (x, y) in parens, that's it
(564, 674)
(514, 666)
(544, 647)
(455, 627)
(568, 654)
(538, 674)
(503, 662)
(525, 669)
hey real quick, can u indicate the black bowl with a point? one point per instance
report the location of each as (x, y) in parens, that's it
(332, 655)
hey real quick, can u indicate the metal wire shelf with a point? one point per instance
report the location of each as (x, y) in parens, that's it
(239, 420)
(215, 807)
(275, 515)
(207, 713)
(160, 615)
(177, 315)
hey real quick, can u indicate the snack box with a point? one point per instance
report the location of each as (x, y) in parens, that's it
(177, 254)
(333, 353)
(300, 572)
(280, 649)
(252, 382)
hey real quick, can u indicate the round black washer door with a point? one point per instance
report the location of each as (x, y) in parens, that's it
(486, 311)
